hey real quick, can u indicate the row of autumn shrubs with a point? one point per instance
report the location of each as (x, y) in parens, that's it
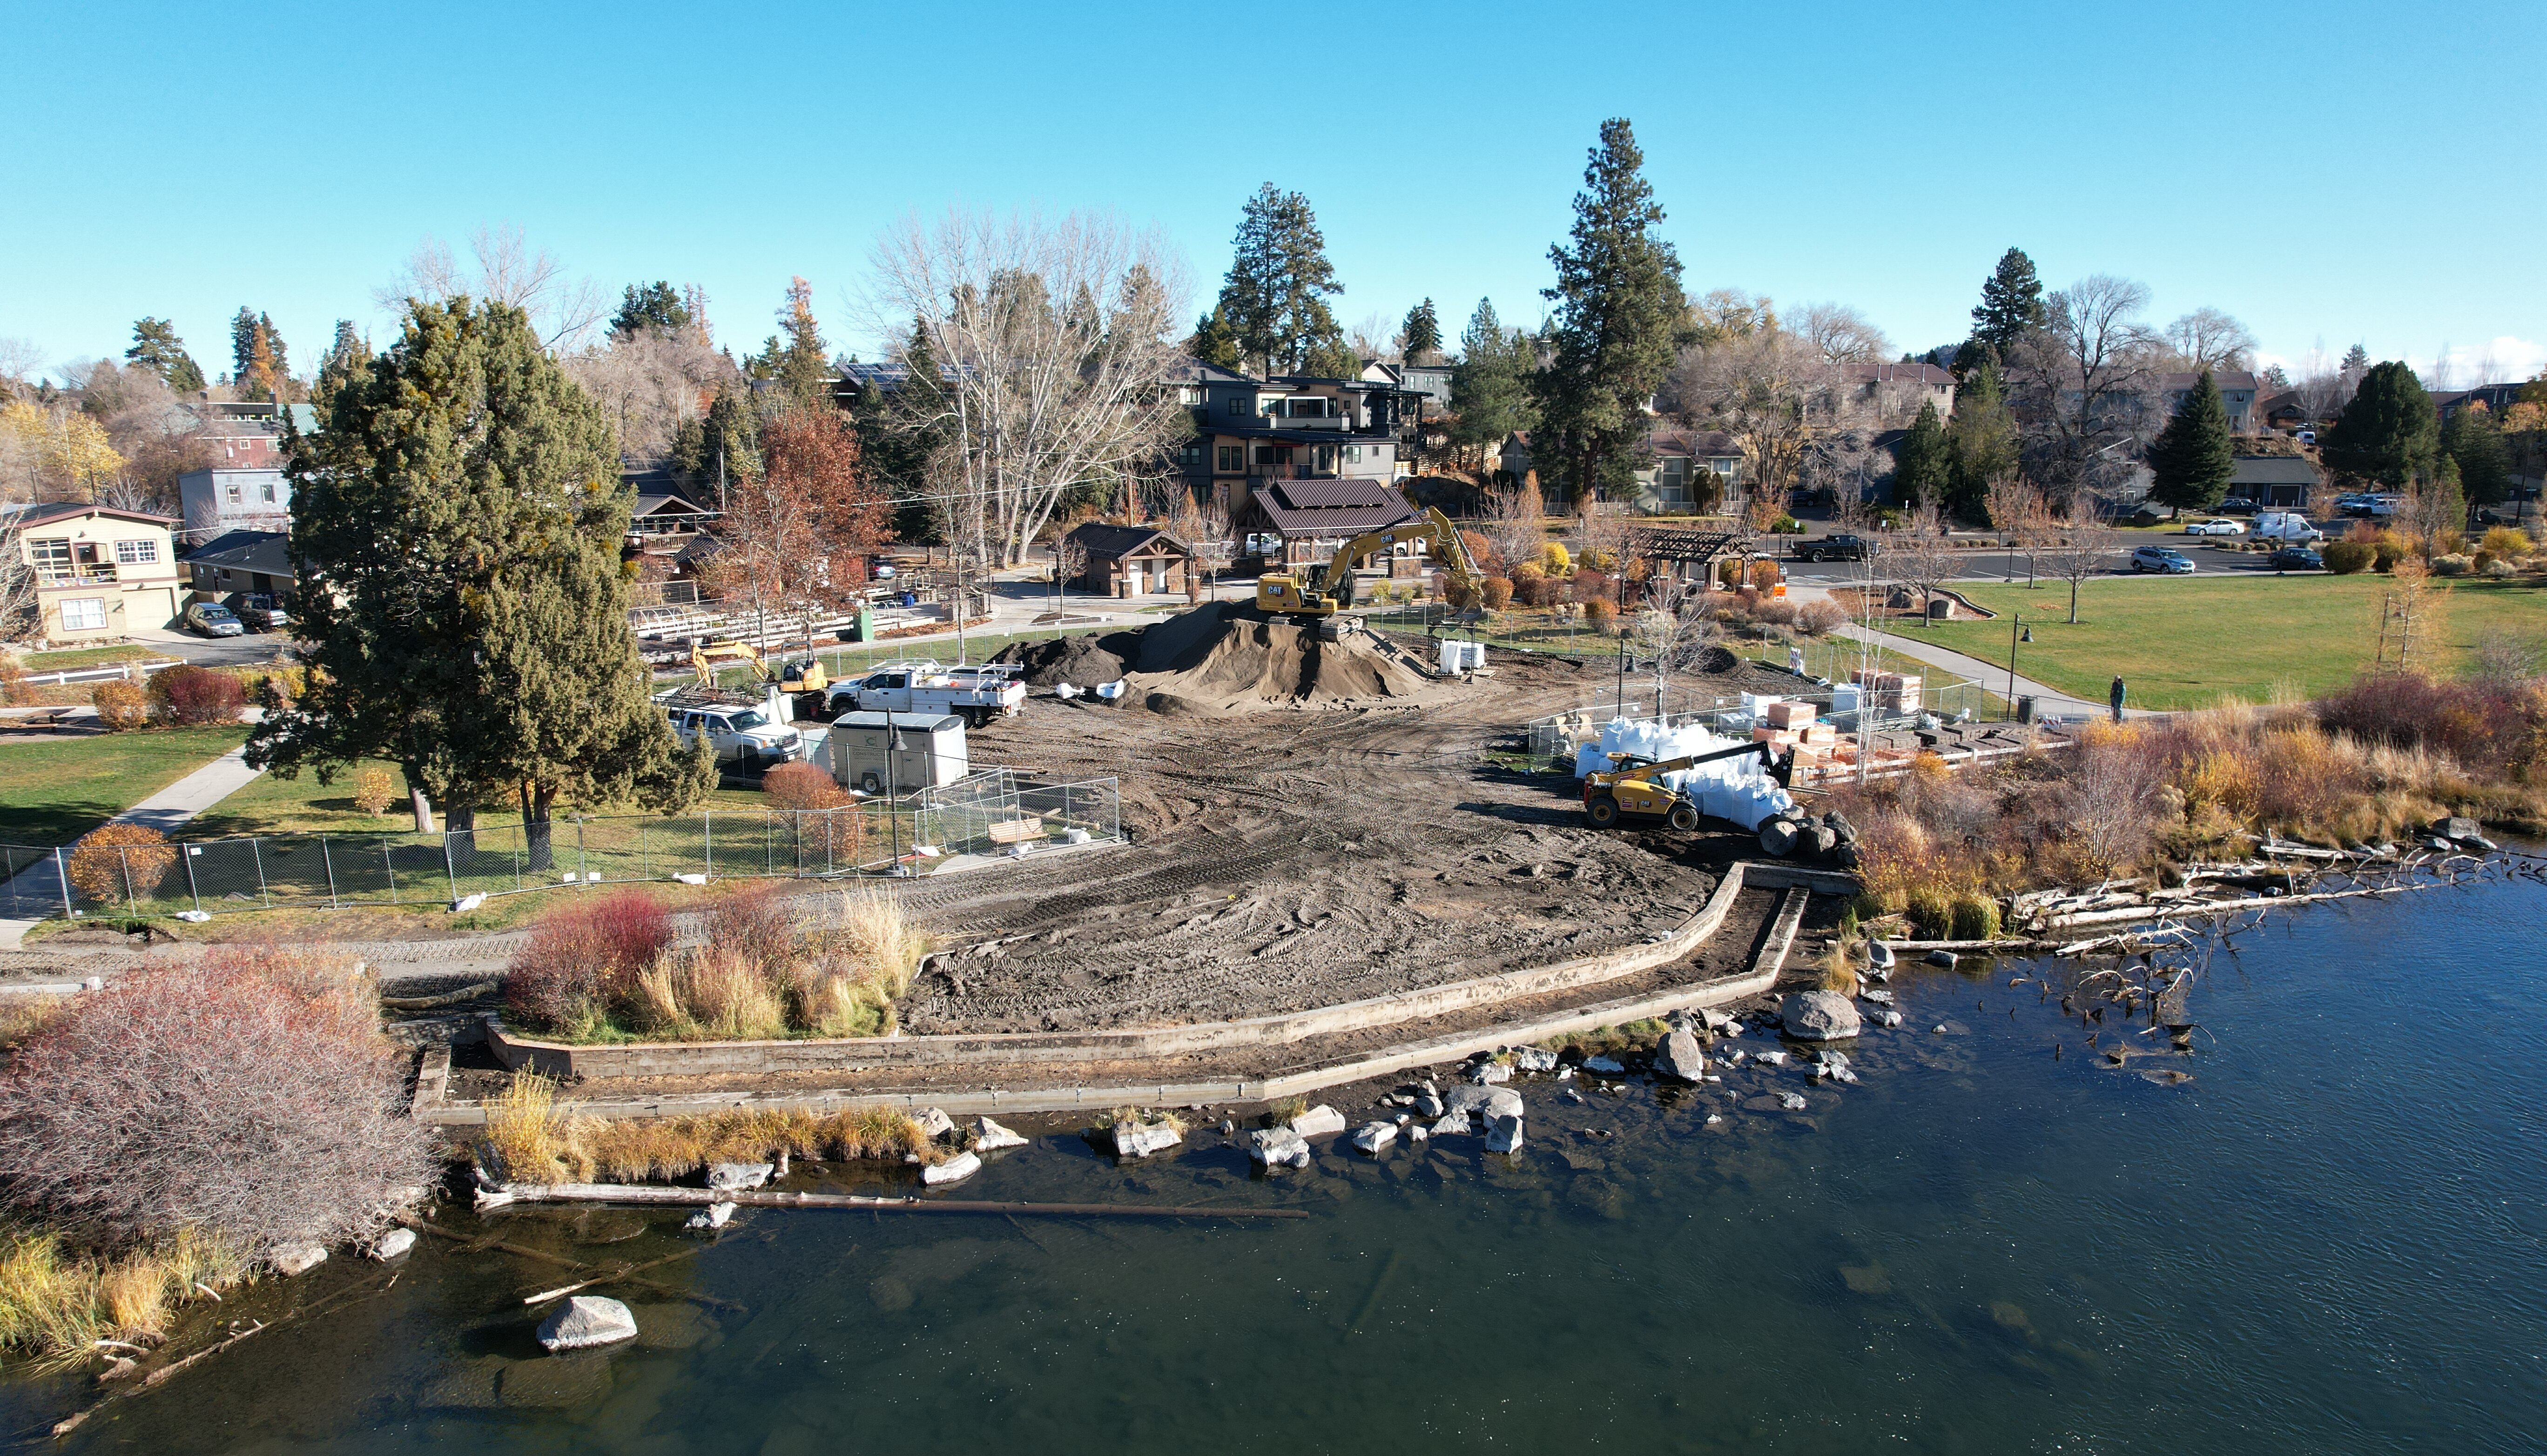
(528, 1141)
(2367, 548)
(2371, 763)
(193, 697)
(161, 1138)
(606, 970)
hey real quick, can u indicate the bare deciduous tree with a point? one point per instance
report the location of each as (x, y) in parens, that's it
(1057, 335)
(2082, 385)
(2017, 513)
(648, 383)
(1771, 391)
(1670, 632)
(1919, 555)
(18, 596)
(1842, 335)
(2208, 338)
(503, 268)
(2077, 545)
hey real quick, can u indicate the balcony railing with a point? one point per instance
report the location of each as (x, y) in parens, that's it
(103, 573)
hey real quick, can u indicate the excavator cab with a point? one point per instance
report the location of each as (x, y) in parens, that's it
(1283, 593)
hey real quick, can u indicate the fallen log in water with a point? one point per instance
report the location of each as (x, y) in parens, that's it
(2223, 907)
(652, 1194)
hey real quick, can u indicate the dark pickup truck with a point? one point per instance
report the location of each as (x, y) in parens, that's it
(1841, 548)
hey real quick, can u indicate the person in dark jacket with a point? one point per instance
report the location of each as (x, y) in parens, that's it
(2117, 696)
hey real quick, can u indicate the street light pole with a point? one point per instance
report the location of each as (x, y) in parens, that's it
(2016, 629)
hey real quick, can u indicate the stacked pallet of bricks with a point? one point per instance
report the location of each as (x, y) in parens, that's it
(1891, 692)
(1792, 724)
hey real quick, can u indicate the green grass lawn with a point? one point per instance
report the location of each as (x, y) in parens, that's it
(71, 659)
(2181, 644)
(303, 806)
(53, 790)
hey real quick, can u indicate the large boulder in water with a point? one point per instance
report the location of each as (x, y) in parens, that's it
(1819, 1016)
(587, 1320)
(1681, 1056)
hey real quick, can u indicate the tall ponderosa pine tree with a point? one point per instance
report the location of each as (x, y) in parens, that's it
(259, 367)
(1273, 301)
(1490, 384)
(803, 366)
(1421, 335)
(1923, 462)
(2356, 360)
(156, 348)
(1983, 441)
(899, 436)
(2388, 433)
(456, 528)
(2193, 460)
(2011, 302)
(1618, 304)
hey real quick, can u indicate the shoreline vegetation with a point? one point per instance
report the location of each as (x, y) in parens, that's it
(606, 971)
(2386, 758)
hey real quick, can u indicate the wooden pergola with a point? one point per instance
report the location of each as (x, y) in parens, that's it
(1682, 548)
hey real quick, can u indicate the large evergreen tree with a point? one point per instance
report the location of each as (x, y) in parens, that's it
(258, 364)
(1983, 441)
(2192, 459)
(2356, 360)
(2388, 433)
(1617, 306)
(1273, 301)
(2011, 302)
(803, 366)
(2473, 439)
(1923, 462)
(1421, 335)
(900, 435)
(348, 355)
(656, 306)
(456, 528)
(156, 348)
(1214, 343)
(1490, 384)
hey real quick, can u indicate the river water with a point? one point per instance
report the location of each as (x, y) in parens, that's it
(2329, 1240)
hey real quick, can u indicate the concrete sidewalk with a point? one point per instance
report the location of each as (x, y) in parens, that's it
(1990, 677)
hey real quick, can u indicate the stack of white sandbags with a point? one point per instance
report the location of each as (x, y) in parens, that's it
(1740, 790)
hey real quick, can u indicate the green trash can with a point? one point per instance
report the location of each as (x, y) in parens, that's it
(864, 630)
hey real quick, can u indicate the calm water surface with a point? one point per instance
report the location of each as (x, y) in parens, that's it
(2330, 1240)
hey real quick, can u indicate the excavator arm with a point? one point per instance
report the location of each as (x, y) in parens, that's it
(1330, 588)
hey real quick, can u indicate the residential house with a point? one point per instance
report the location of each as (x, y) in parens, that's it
(2281, 481)
(243, 489)
(1895, 392)
(243, 560)
(1293, 522)
(2284, 412)
(1130, 561)
(99, 573)
(2495, 397)
(1291, 427)
(1513, 456)
(2237, 394)
(1681, 460)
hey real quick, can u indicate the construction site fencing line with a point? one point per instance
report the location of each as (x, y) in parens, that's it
(996, 811)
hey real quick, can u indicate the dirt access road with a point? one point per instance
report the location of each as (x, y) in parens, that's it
(1288, 859)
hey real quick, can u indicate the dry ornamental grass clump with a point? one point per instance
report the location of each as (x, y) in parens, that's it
(760, 974)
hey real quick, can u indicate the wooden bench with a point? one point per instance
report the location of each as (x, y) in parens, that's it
(1016, 832)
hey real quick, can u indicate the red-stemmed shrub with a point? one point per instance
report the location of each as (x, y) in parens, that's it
(758, 923)
(249, 1097)
(802, 788)
(2481, 725)
(191, 697)
(579, 956)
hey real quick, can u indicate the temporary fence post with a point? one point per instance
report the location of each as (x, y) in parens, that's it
(132, 907)
(450, 872)
(256, 850)
(186, 852)
(327, 858)
(62, 881)
(388, 863)
(707, 843)
(581, 864)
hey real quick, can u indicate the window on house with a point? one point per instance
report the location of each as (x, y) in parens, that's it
(1353, 455)
(268, 489)
(231, 492)
(84, 613)
(1238, 405)
(52, 554)
(1190, 455)
(136, 553)
(1190, 394)
(1233, 459)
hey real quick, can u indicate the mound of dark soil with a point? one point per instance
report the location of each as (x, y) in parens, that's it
(1083, 662)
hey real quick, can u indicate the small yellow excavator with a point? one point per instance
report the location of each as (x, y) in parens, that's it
(1634, 788)
(1329, 590)
(802, 679)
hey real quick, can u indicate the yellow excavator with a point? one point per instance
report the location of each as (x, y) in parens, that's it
(1634, 788)
(802, 678)
(1329, 590)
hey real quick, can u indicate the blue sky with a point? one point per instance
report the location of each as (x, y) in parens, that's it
(2361, 175)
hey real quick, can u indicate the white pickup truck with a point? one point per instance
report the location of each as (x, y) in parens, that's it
(747, 737)
(975, 694)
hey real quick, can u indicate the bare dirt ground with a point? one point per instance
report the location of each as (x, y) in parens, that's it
(1298, 857)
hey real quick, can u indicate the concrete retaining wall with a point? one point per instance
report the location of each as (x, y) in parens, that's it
(1429, 1052)
(704, 1058)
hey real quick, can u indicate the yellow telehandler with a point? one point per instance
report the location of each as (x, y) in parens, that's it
(1635, 787)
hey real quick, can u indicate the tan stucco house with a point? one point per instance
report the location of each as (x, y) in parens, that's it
(100, 573)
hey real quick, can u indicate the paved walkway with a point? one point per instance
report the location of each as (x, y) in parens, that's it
(1991, 677)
